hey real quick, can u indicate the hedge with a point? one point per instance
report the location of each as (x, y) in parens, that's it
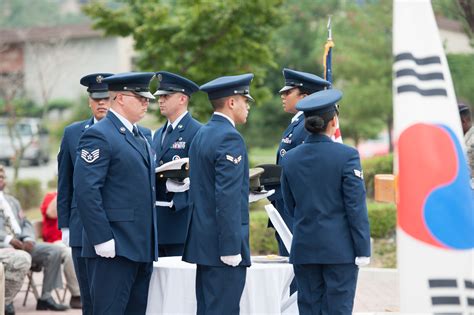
(28, 192)
(373, 166)
(382, 219)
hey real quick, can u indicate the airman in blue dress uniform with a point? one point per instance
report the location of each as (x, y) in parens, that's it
(172, 142)
(323, 190)
(298, 85)
(114, 180)
(68, 217)
(218, 236)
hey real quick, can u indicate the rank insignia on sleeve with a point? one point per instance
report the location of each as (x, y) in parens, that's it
(235, 160)
(90, 157)
(359, 174)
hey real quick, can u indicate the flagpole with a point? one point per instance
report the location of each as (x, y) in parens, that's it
(327, 63)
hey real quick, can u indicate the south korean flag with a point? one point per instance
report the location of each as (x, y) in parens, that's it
(90, 157)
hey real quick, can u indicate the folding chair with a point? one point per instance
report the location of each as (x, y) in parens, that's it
(32, 286)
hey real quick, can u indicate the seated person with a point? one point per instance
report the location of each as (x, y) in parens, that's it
(17, 232)
(16, 264)
(51, 234)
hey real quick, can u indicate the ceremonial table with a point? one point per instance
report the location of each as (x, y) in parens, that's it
(172, 288)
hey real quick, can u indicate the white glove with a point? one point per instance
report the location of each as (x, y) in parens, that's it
(362, 261)
(65, 236)
(256, 197)
(233, 260)
(106, 249)
(175, 186)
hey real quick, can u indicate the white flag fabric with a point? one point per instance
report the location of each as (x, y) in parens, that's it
(435, 231)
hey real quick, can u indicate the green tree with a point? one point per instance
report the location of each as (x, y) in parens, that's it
(30, 13)
(200, 39)
(363, 57)
(299, 45)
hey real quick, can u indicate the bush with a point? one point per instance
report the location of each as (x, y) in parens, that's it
(373, 166)
(382, 218)
(262, 239)
(28, 192)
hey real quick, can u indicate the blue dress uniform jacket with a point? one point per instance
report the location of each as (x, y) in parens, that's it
(114, 182)
(293, 136)
(173, 222)
(220, 216)
(323, 190)
(68, 217)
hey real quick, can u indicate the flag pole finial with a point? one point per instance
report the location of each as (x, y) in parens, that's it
(329, 28)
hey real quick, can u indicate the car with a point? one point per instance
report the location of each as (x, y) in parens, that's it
(31, 134)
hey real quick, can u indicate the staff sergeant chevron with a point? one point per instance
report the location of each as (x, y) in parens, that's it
(90, 157)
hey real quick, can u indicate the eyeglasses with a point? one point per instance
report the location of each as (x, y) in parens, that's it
(140, 98)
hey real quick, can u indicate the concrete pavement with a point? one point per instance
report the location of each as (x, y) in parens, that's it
(377, 293)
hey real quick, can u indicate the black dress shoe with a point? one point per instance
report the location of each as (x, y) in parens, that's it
(75, 302)
(50, 304)
(9, 309)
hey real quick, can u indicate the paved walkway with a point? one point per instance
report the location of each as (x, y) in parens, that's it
(377, 293)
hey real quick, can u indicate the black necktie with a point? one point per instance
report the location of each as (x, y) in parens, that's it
(139, 138)
(168, 131)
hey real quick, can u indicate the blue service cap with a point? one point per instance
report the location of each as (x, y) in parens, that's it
(320, 102)
(95, 86)
(227, 86)
(307, 81)
(462, 107)
(136, 82)
(171, 83)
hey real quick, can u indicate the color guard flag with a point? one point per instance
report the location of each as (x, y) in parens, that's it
(435, 228)
(327, 62)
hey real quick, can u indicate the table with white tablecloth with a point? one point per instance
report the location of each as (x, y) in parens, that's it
(172, 288)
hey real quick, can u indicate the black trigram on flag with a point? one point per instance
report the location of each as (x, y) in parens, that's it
(449, 298)
(419, 75)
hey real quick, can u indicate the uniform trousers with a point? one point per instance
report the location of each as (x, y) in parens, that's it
(16, 264)
(219, 289)
(118, 285)
(81, 274)
(326, 288)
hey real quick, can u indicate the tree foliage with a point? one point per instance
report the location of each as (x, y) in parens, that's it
(363, 56)
(200, 39)
(29, 13)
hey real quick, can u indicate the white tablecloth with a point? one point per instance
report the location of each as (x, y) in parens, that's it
(172, 288)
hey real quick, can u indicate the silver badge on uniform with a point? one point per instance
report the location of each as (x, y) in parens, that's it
(122, 129)
(99, 79)
(176, 157)
(359, 174)
(235, 160)
(90, 157)
(282, 152)
(86, 126)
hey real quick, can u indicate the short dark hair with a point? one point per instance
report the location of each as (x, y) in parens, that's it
(219, 103)
(318, 123)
